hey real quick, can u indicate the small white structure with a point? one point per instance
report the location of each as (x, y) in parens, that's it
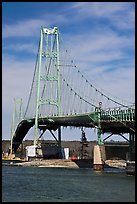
(31, 151)
(65, 153)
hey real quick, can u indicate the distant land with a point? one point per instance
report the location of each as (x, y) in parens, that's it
(75, 147)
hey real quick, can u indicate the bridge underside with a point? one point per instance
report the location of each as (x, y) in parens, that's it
(52, 123)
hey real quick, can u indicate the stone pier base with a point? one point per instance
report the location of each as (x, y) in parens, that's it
(99, 157)
(98, 167)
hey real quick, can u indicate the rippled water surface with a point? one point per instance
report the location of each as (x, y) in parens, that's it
(34, 184)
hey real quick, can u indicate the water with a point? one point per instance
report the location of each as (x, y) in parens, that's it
(35, 184)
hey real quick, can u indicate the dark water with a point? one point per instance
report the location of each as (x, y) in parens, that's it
(35, 184)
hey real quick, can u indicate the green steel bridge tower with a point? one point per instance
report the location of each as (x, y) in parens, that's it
(50, 52)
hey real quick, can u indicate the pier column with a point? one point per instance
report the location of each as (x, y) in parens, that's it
(59, 141)
(99, 157)
(131, 146)
(99, 135)
(59, 136)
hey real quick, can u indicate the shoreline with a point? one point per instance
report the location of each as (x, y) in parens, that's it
(63, 163)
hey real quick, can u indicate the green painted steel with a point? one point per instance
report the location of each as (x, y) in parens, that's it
(99, 125)
(52, 55)
(122, 115)
(38, 87)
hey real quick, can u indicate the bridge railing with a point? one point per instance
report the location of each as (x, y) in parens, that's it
(120, 115)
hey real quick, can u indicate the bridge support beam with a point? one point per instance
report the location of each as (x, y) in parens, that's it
(59, 136)
(59, 140)
(99, 136)
(131, 146)
(99, 125)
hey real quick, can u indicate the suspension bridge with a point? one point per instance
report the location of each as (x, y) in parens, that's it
(60, 95)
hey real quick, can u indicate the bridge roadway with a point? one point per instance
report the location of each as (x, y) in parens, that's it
(116, 124)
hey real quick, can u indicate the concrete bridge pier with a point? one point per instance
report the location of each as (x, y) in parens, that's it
(99, 157)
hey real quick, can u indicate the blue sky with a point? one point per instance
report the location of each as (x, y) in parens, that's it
(105, 32)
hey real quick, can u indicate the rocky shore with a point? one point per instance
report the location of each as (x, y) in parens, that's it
(63, 163)
(46, 163)
(116, 163)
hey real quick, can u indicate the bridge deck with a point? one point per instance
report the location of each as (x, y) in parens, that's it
(85, 120)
